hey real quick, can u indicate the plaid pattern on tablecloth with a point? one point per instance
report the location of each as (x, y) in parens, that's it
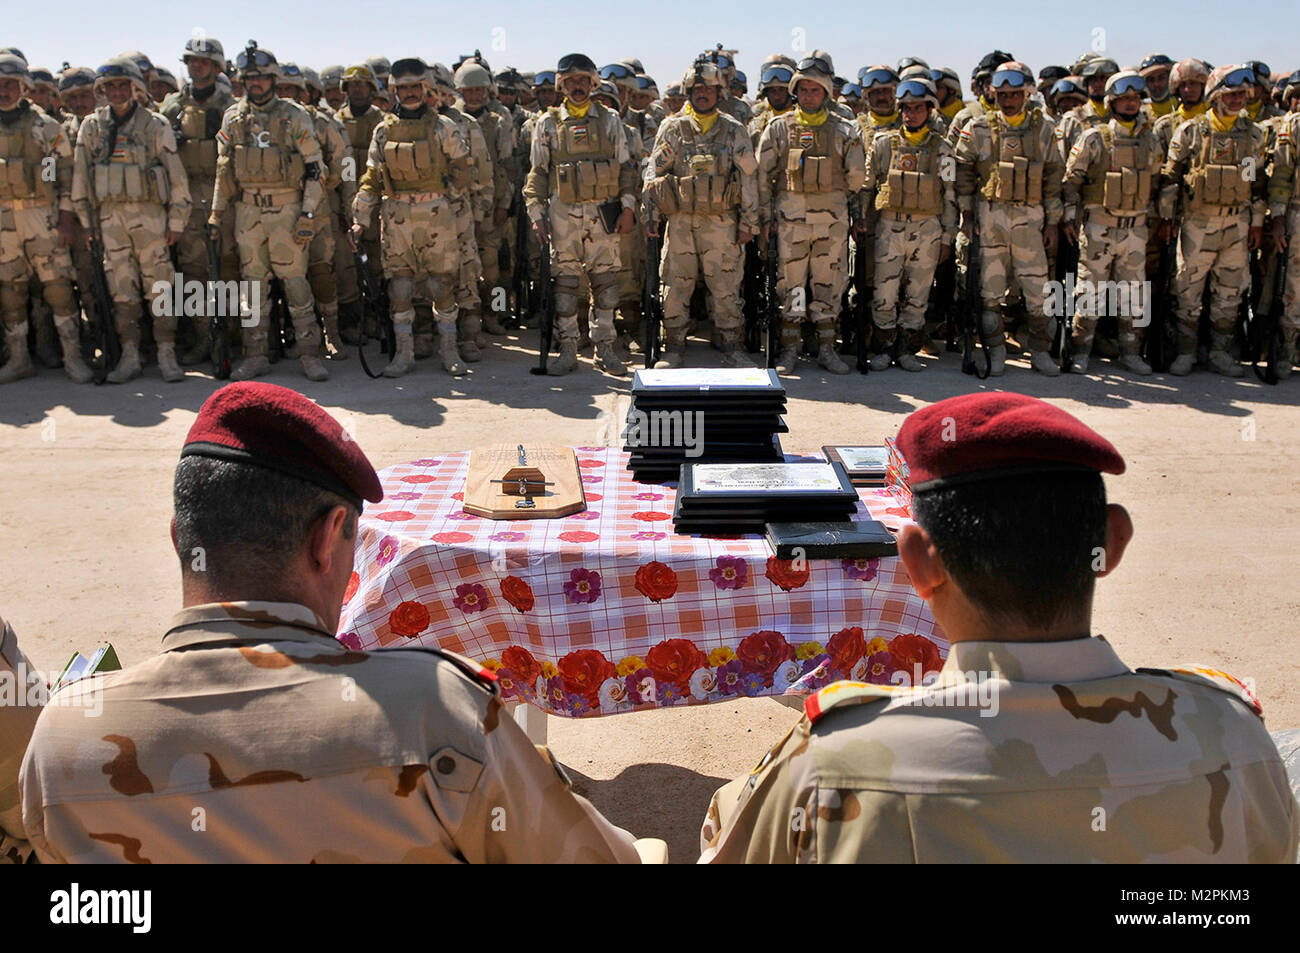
(607, 610)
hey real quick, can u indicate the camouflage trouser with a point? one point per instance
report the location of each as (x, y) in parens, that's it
(29, 244)
(814, 253)
(136, 258)
(421, 244)
(320, 268)
(1210, 247)
(1109, 252)
(580, 245)
(1291, 293)
(192, 248)
(1011, 255)
(490, 238)
(469, 269)
(705, 246)
(266, 250)
(631, 277)
(906, 256)
(345, 265)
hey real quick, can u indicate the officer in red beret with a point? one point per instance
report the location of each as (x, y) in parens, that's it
(1032, 741)
(255, 735)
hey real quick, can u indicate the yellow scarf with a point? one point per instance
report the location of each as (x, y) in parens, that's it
(1164, 107)
(811, 119)
(952, 109)
(577, 112)
(1252, 109)
(878, 120)
(1185, 113)
(1127, 127)
(915, 138)
(1221, 123)
(706, 122)
(1016, 121)
(1100, 111)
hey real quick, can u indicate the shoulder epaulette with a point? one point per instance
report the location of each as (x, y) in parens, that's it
(1212, 677)
(844, 694)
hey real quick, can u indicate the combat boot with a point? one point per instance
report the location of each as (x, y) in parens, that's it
(201, 349)
(73, 365)
(128, 368)
(47, 343)
(670, 357)
(732, 355)
(1135, 364)
(250, 366)
(404, 359)
(451, 362)
(1182, 365)
(997, 360)
(1042, 362)
(333, 339)
(19, 364)
(1284, 362)
(350, 321)
(908, 362)
(1221, 362)
(469, 352)
(566, 362)
(788, 359)
(828, 359)
(312, 368)
(607, 360)
(492, 324)
(881, 361)
(171, 371)
(1079, 365)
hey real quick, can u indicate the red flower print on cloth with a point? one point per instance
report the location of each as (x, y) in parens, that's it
(419, 478)
(470, 597)
(585, 515)
(583, 586)
(591, 478)
(354, 581)
(452, 537)
(508, 537)
(425, 463)
(584, 671)
(648, 535)
(782, 573)
(409, 619)
(459, 496)
(396, 516)
(387, 550)
(518, 593)
(675, 661)
(846, 647)
(729, 573)
(656, 581)
(579, 536)
(763, 652)
(351, 640)
(521, 662)
(591, 463)
(910, 650)
(646, 516)
(864, 569)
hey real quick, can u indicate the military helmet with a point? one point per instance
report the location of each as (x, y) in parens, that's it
(412, 69)
(253, 61)
(76, 76)
(816, 67)
(944, 76)
(576, 64)
(989, 62)
(620, 74)
(475, 57)
(870, 77)
(120, 67)
(909, 61)
(1262, 73)
(42, 77)
(775, 74)
(1076, 68)
(545, 77)
(608, 90)
(1013, 75)
(724, 60)
(1125, 81)
(470, 75)
(1291, 86)
(13, 66)
(1153, 63)
(1050, 74)
(166, 77)
(360, 72)
(646, 84)
(741, 80)
(778, 58)
(1189, 71)
(636, 64)
(851, 92)
(915, 70)
(508, 79)
(442, 76)
(701, 73)
(332, 76)
(291, 74)
(312, 79)
(142, 62)
(204, 48)
(14, 51)
(1068, 86)
(1101, 66)
(674, 91)
(380, 66)
(1227, 79)
(917, 89)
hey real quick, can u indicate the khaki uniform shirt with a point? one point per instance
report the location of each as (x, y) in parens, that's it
(20, 703)
(255, 736)
(144, 126)
(1020, 752)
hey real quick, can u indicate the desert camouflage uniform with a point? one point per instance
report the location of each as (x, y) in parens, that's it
(1284, 204)
(133, 194)
(1075, 122)
(1212, 242)
(737, 109)
(421, 238)
(646, 126)
(295, 749)
(17, 719)
(1164, 132)
(911, 196)
(813, 215)
(632, 246)
(358, 130)
(340, 183)
(703, 189)
(499, 134)
(1084, 761)
(971, 110)
(269, 197)
(1010, 213)
(30, 202)
(579, 243)
(472, 204)
(1112, 220)
(762, 117)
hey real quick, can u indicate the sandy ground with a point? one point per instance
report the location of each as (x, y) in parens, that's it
(1211, 576)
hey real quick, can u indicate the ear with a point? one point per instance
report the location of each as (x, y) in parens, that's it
(921, 559)
(175, 548)
(1119, 531)
(323, 541)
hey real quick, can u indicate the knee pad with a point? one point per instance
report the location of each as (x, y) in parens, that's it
(566, 294)
(58, 295)
(990, 322)
(400, 292)
(605, 291)
(13, 302)
(442, 292)
(297, 294)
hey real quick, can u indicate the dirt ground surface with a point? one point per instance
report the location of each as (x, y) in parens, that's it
(1213, 485)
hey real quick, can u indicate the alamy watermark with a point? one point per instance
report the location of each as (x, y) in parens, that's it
(1093, 299)
(667, 428)
(23, 687)
(193, 298)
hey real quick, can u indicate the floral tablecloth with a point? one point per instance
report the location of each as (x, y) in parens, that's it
(608, 611)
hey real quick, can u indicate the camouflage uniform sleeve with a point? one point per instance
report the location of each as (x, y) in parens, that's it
(178, 201)
(56, 143)
(1259, 185)
(501, 165)
(17, 719)
(747, 168)
(1282, 167)
(371, 187)
(456, 149)
(1053, 172)
(1181, 148)
(855, 168)
(345, 162)
(971, 142)
(224, 189)
(628, 172)
(771, 149)
(537, 187)
(950, 217)
(82, 183)
(305, 141)
(1084, 154)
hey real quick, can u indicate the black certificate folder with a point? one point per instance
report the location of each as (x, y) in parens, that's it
(746, 496)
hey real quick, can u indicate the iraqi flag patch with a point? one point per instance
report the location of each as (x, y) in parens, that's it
(806, 138)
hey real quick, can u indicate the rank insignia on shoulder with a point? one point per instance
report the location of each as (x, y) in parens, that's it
(843, 694)
(1242, 689)
(471, 668)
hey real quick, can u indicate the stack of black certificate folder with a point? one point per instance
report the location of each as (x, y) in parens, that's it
(725, 499)
(702, 415)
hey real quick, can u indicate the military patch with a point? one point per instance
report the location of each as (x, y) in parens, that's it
(1223, 151)
(1215, 677)
(907, 162)
(579, 133)
(806, 138)
(222, 137)
(846, 693)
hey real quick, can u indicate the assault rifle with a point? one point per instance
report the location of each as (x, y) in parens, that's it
(971, 313)
(1161, 342)
(519, 274)
(106, 341)
(1265, 336)
(862, 318)
(371, 310)
(771, 306)
(546, 305)
(651, 307)
(217, 327)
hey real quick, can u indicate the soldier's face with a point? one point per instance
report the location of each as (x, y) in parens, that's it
(704, 98)
(507, 98)
(1233, 101)
(946, 93)
(915, 114)
(577, 89)
(475, 96)
(159, 91)
(287, 91)
(42, 97)
(1065, 103)
(79, 101)
(410, 95)
(881, 100)
(1255, 92)
(1096, 86)
(811, 96)
(1190, 92)
(359, 93)
(202, 72)
(335, 97)
(1011, 101)
(1127, 106)
(1158, 84)
(259, 88)
(117, 92)
(673, 103)
(11, 91)
(778, 97)
(547, 96)
(640, 100)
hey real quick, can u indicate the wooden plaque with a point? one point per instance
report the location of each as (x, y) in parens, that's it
(500, 501)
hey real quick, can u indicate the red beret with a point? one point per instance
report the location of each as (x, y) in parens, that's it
(280, 429)
(989, 435)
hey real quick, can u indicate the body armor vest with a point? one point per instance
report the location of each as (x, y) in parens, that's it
(1125, 189)
(1013, 173)
(583, 166)
(811, 164)
(127, 173)
(197, 126)
(413, 157)
(264, 156)
(912, 185)
(333, 164)
(20, 162)
(1217, 177)
(703, 180)
(360, 129)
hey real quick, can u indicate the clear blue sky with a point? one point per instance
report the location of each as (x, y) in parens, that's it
(665, 35)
